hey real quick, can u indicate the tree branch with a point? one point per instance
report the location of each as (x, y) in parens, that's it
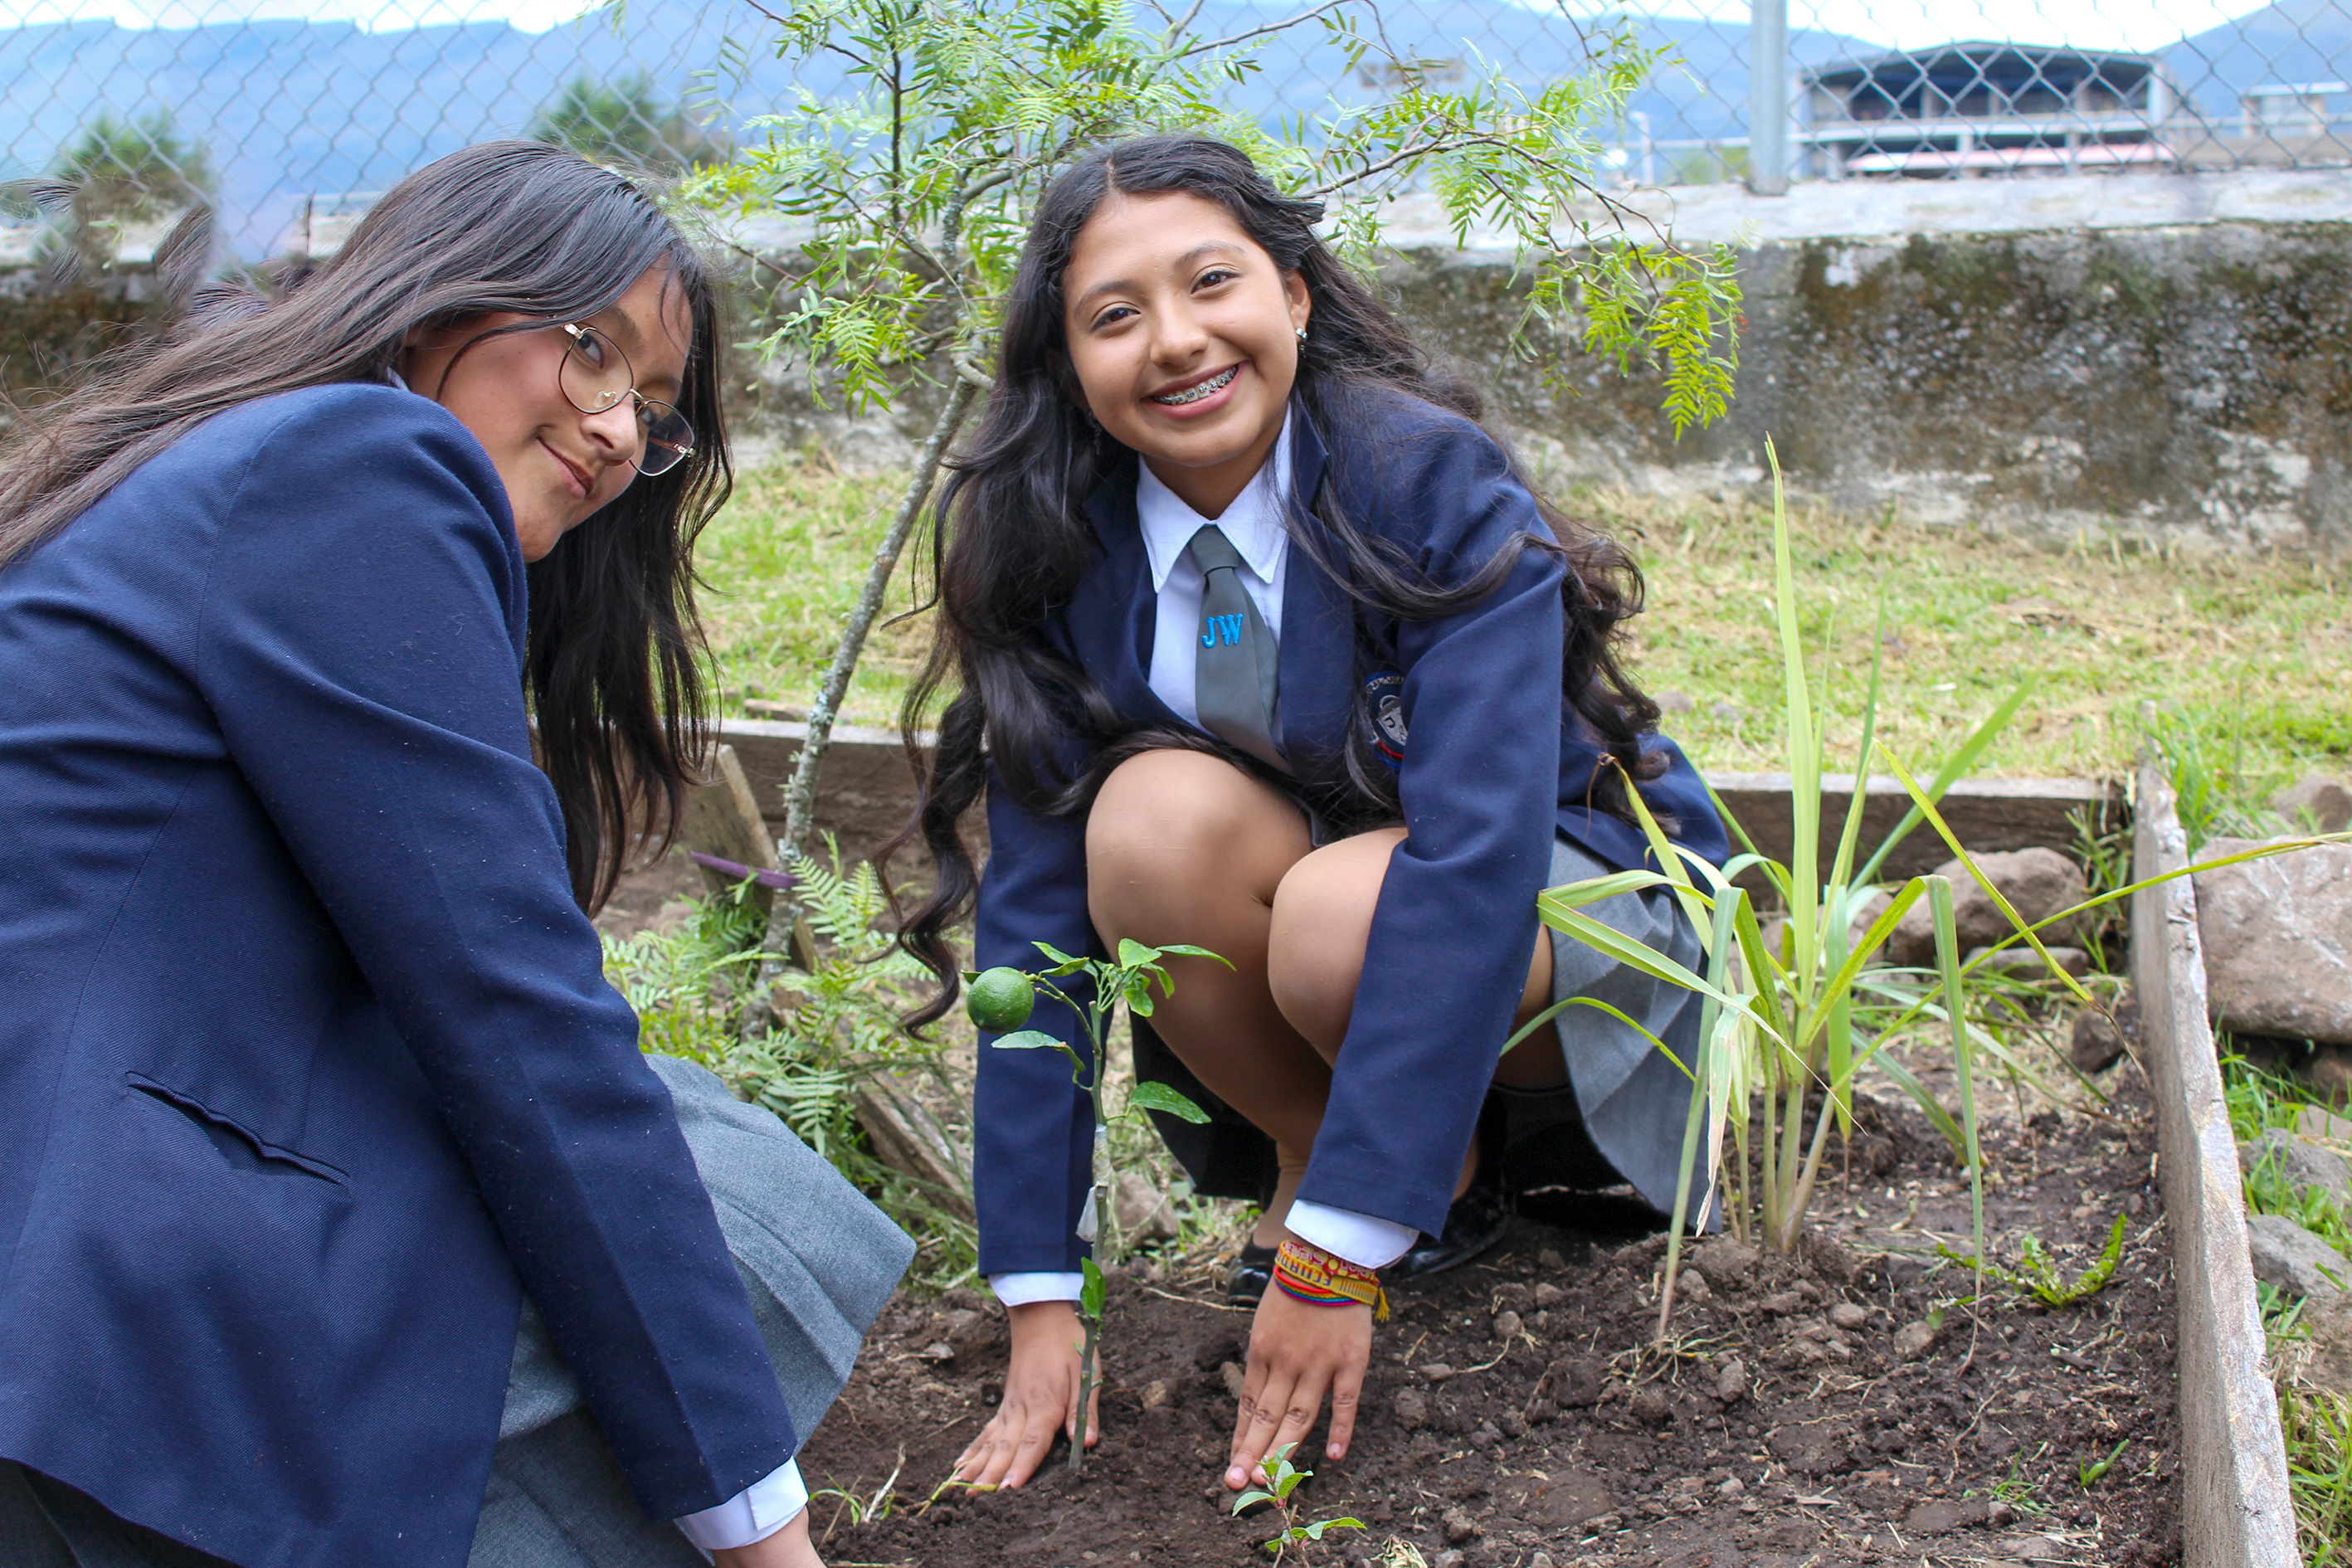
(1254, 32)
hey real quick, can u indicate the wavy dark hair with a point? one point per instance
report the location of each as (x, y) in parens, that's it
(1020, 539)
(508, 226)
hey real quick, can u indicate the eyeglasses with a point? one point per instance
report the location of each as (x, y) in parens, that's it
(595, 375)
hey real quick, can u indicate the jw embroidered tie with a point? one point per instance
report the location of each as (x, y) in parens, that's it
(1234, 673)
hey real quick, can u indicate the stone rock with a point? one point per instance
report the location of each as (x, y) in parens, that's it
(1410, 1408)
(2278, 941)
(2330, 802)
(1731, 1381)
(2027, 963)
(2037, 883)
(2315, 1122)
(1849, 1315)
(1506, 1325)
(2329, 1071)
(1577, 1383)
(1726, 1264)
(1673, 702)
(1549, 1295)
(2324, 1361)
(1460, 1527)
(1913, 1341)
(1651, 1406)
(1145, 1215)
(2291, 1258)
(2300, 1163)
(1946, 1514)
(977, 1337)
(2098, 1043)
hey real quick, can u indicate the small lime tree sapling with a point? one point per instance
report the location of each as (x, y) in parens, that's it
(1000, 1002)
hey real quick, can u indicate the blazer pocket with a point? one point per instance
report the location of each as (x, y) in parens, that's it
(244, 1149)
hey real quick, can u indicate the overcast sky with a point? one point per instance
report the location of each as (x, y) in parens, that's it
(2087, 24)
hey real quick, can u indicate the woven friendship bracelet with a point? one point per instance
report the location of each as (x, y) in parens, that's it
(1311, 1275)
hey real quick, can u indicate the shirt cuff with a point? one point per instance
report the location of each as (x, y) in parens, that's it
(755, 1513)
(1020, 1289)
(1365, 1241)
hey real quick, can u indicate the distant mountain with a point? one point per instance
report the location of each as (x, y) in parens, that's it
(2292, 41)
(293, 109)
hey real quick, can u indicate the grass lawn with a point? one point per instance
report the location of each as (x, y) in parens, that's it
(2249, 659)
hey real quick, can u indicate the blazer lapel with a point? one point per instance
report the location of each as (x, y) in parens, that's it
(1114, 612)
(1317, 661)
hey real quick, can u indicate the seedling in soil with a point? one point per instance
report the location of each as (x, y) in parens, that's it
(2091, 1475)
(2015, 1491)
(1284, 1478)
(2036, 1274)
(1001, 1000)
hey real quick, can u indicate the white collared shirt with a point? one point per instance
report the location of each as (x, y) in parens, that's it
(1255, 526)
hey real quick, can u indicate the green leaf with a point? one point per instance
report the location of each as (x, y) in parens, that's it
(1151, 1095)
(1315, 1532)
(1185, 950)
(1251, 1498)
(1090, 1293)
(1029, 1041)
(1133, 954)
(1947, 955)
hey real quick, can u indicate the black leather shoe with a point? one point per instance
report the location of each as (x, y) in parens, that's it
(1252, 1272)
(1474, 1223)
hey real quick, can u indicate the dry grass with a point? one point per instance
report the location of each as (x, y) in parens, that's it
(2249, 657)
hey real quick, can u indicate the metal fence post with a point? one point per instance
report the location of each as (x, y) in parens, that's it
(1767, 97)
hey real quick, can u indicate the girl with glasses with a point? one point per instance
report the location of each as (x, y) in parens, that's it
(1258, 641)
(312, 1087)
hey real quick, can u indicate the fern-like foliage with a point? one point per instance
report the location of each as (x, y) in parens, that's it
(836, 1029)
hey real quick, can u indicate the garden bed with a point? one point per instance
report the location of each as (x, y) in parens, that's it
(1810, 1410)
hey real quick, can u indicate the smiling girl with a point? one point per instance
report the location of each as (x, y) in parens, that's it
(1259, 642)
(310, 1080)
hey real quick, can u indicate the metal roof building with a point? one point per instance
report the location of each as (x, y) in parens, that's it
(1977, 109)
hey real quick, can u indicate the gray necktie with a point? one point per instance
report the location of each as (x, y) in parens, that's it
(1233, 675)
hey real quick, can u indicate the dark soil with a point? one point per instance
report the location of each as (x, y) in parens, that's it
(1803, 1412)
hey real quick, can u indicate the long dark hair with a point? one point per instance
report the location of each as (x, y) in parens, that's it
(515, 227)
(1021, 539)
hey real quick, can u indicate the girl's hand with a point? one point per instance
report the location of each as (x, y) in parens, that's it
(1298, 1352)
(788, 1547)
(1041, 1394)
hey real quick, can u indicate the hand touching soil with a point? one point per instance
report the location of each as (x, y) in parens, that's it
(1041, 1397)
(1299, 1352)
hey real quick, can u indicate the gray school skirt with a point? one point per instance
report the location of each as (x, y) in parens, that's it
(1623, 1114)
(818, 1260)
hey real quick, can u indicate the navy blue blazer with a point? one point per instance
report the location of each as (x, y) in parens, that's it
(1494, 764)
(307, 1065)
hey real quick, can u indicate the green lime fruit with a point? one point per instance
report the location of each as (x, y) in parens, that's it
(1001, 999)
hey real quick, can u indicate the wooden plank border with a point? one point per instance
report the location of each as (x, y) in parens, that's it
(867, 794)
(2236, 1510)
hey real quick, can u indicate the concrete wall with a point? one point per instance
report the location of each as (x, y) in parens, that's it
(2182, 378)
(2159, 359)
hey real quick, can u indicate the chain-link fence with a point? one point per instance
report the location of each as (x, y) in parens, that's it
(285, 123)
